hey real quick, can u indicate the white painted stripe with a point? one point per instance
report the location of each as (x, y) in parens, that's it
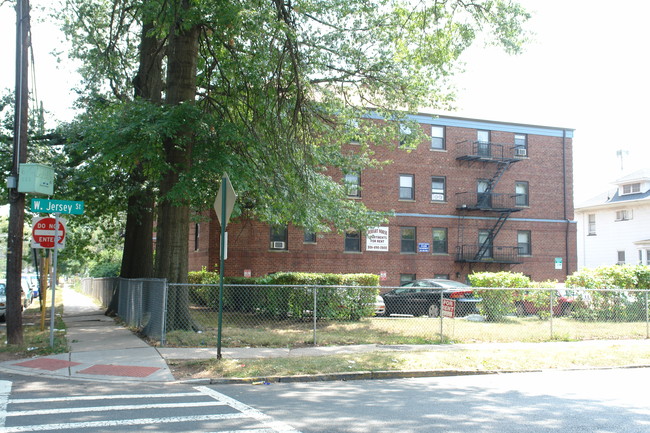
(5, 391)
(109, 408)
(101, 397)
(115, 423)
(277, 426)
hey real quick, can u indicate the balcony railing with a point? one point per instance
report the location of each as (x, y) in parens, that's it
(490, 201)
(494, 254)
(485, 151)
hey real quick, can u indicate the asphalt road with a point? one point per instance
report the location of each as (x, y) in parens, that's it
(607, 401)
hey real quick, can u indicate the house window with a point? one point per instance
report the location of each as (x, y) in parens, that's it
(439, 244)
(353, 184)
(640, 257)
(523, 242)
(591, 225)
(309, 237)
(485, 243)
(406, 188)
(623, 215)
(407, 235)
(438, 137)
(196, 237)
(632, 188)
(621, 257)
(438, 189)
(352, 241)
(406, 278)
(521, 194)
(521, 145)
(483, 143)
(279, 235)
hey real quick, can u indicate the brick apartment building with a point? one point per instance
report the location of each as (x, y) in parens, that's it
(476, 195)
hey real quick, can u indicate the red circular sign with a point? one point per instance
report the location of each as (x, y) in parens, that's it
(43, 232)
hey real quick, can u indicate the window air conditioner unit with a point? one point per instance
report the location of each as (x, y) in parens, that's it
(277, 245)
(521, 151)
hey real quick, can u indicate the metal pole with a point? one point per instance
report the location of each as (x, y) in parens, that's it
(647, 323)
(550, 303)
(221, 262)
(442, 295)
(315, 312)
(53, 281)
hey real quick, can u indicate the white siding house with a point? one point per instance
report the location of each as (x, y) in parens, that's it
(614, 228)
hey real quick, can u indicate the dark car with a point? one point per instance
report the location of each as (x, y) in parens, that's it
(422, 297)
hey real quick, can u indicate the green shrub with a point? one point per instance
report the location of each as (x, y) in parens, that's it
(497, 303)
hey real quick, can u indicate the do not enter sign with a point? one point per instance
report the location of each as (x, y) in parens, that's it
(44, 231)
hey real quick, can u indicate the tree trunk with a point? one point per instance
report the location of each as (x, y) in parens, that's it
(173, 216)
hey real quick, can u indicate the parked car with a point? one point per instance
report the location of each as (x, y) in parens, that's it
(422, 297)
(380, 306)
(3, 301)
(562, 305)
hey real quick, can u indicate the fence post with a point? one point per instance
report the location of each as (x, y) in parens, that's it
(647, 323)
(315, 312)
(442, 295)
(550, 295)
(163, 331)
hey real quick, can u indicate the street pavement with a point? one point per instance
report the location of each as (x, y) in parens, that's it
(101, 349)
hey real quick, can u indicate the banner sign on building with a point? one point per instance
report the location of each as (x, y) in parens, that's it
(377, 239)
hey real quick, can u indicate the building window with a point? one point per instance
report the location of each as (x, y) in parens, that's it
(483, 195)
(521, 194)
(196, 237)
(352, 241)
(439, 244)
(632, 188)
(483, 143)
(523, 242)
(485, 243)
(621, 257)
(353, 184)
(405, 133)
(441, 276)
(279, 235)
(521, 145)
(623, 215)
(438, 189)
(591, 225)
(407, 239)
(406, 187)
(352, 129)
(309, 237)
(406, 278)
(438, 138)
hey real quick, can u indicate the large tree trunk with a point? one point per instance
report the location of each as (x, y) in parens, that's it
(137, 256)
(173, 216)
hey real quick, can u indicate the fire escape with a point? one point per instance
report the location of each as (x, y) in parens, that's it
(495, 208)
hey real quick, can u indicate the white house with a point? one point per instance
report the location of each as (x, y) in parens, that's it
(614, 227)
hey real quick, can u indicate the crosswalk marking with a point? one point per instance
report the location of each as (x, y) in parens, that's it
(260, 422)
(108, 408)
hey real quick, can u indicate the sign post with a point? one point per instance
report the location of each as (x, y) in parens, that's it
(223, 206)
(50, 233)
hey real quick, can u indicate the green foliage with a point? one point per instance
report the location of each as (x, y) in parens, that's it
(497, 303)
(291, 294)
(624, 299)
(104, 269)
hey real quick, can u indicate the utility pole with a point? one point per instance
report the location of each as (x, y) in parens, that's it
(17, 199)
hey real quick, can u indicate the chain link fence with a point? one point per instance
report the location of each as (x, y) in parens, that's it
(187, 315)
(140, 303)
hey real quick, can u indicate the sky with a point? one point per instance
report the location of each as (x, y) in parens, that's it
(585, 69)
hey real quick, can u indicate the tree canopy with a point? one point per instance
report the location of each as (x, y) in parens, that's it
(177, 92)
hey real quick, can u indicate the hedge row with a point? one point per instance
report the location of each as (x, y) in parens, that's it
(344, 296)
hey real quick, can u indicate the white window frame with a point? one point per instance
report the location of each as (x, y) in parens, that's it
(438, 141)
(407, 183)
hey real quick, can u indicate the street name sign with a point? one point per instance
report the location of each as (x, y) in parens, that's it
(43, 205)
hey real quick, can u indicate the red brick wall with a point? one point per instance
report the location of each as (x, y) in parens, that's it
(548, 170)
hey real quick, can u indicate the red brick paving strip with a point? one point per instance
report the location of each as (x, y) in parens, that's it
(120, 370)
(47, 364)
